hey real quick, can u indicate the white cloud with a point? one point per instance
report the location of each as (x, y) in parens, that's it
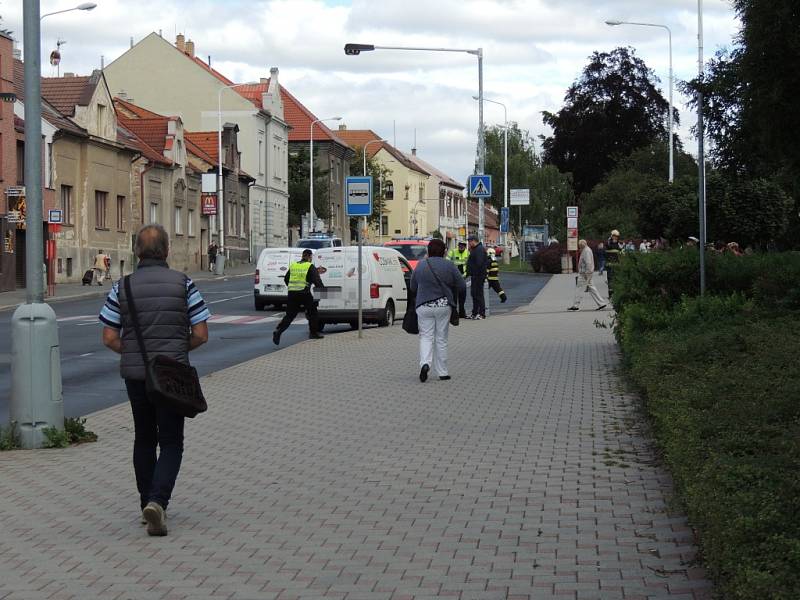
(534, 49)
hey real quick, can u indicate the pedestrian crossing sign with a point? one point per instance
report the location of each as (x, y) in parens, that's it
(480, 186)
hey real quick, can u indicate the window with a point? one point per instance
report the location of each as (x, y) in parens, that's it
(242, 221)
(260, 157)
(178, 221)
(154, 217)
(388, 190)
(190, 223)
(66, 204)
(101, 118)
(120, 213)
(100, 210)
(384, 225)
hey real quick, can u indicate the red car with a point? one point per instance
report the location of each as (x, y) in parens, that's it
(413, 250)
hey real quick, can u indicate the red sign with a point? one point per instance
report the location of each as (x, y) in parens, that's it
(572, 233)
(209, 204)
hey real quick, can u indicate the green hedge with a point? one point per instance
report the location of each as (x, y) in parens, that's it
(721, 383)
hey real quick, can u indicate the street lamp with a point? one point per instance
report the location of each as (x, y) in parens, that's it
(83, 6)
(219, 267)
(701, 157)
(365, 152)
(311, 172)
(614, 23)
(414, 216)
(506, 256)
(36, 398)
(356, 49)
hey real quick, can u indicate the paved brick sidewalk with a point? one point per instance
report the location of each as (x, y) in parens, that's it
(327, 470)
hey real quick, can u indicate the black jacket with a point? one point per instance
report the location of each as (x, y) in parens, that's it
(477, 262)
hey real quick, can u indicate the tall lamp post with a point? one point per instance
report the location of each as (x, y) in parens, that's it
(506, 253)
(36, 397)
(614, 23)
(219, 265)
(701, 157)
(311, 171)
(356, 49)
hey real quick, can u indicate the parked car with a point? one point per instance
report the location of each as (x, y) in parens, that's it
(270, 269)
(384, 285)
(412, 249)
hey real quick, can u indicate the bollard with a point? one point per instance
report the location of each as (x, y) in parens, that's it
(36, 398)
(219, 264)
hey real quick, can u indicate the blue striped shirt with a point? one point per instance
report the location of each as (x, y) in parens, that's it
(198, 311)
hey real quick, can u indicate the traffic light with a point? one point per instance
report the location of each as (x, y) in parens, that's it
(356, 49)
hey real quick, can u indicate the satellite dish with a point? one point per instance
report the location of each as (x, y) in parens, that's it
(55, 58)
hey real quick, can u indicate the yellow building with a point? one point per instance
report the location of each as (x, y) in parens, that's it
(405, 213)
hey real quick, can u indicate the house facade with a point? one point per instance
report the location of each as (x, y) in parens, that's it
(8, 165)
(405, 213)
(445, 202)
(170, 80)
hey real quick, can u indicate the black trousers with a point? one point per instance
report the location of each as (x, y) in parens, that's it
(478, 301)
(462, 301)
(154, 427)
(297, 302)
(495, 285)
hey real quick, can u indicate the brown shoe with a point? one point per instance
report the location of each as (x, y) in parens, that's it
(156, 519)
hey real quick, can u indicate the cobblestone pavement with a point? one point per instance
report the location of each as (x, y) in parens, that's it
(327, 470)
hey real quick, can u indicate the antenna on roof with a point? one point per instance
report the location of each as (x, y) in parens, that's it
(102, 62)
(132, 40)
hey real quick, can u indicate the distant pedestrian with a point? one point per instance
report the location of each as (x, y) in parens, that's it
(614, 248)
(172, 318)
(584, 279)
(299, 279)
(436, 283)
(601, 257)
(212, 255)
(493, 275)
(644, 246)
(100, 267)
(477, 264)
(458, 256)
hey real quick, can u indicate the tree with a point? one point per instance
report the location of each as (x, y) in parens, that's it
(611, 110)
(299, 192)
(379, 173)
(750, 101)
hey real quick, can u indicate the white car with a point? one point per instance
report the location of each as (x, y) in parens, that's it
(317, 242)
(385, 277)
(270, 270)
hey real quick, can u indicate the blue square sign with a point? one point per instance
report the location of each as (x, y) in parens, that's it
(359, 196)
(480, 186)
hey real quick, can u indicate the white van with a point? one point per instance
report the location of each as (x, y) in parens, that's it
(384, 285)
(270, 270)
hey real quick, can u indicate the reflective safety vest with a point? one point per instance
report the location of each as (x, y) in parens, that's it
(613, 250)
(298, 273)
(493, 272)
(459, 259)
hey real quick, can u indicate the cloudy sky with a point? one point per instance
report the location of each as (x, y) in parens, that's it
(533, 50)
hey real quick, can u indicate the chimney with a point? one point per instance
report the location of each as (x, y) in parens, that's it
(273, 82)
(413, 152)
(17, 53)
(180, 42)
(209, 60)
(190, 48)
(342, 127)
(69, 74)
(264, 80)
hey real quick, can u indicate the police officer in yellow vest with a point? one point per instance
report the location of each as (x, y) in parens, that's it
(458, 256)
(299, 279)
(493, 275)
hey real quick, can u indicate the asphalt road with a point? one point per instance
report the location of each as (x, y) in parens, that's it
(237, 333)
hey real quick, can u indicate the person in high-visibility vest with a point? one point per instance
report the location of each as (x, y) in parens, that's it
(493, 275)
(299, 279)
(458, 256)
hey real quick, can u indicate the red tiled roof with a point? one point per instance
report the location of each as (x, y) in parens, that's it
(490, 218)
(206, 141)
(152, 132)
(295, 114)
(134, 111)
(357, 138)
(128, 137)
(65, 93)
(444, 177)
(197, 151)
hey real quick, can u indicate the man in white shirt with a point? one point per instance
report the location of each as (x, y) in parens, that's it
(584, 279)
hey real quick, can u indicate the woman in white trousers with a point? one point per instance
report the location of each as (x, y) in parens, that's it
(436, 283)
(584, 283)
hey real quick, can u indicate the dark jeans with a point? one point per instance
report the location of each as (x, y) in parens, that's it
(478, 301)
(297, 302)
(462, 301)
(154, 426)
(495, 285)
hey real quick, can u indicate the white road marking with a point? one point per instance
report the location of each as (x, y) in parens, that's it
(79, 318)
(233, 298)
(248, 320)
(85, 355)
